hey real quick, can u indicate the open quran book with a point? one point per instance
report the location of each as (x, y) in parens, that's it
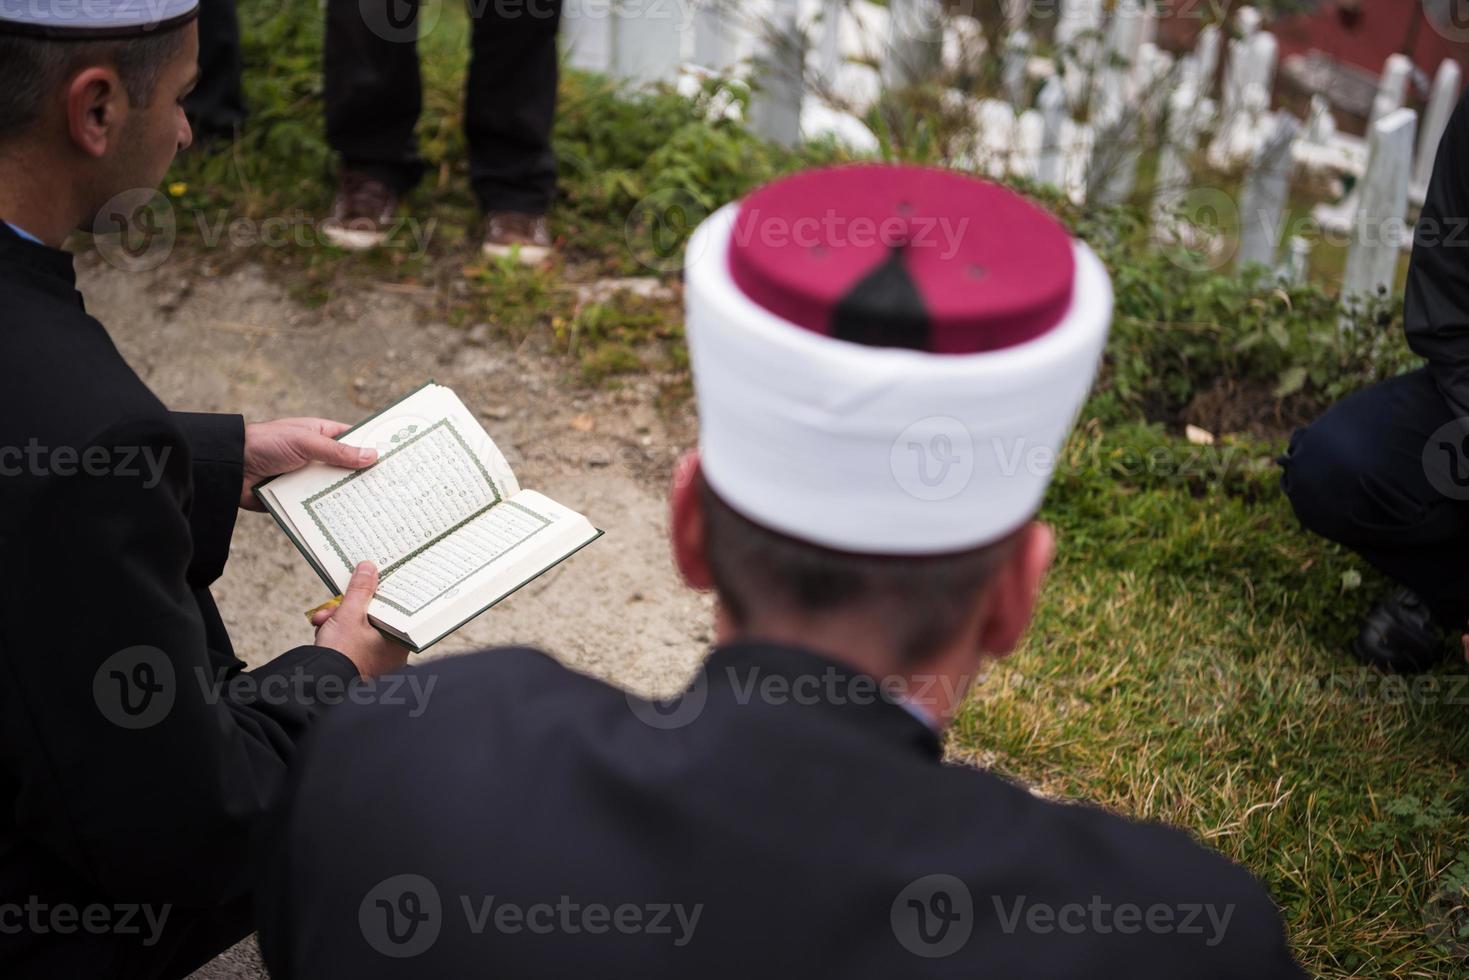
(440, 514)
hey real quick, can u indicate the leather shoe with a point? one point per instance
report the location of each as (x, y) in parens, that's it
(1400, 636)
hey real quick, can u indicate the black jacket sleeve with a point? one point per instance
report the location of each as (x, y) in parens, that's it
(141, 757)
(1436, 298)
(217, 448)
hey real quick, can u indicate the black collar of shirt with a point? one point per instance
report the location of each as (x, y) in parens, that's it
(37, 265)
(813, 679)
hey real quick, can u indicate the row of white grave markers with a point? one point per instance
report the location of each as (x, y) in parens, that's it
(1106, 68)
(1379, 224)
(1441, 101)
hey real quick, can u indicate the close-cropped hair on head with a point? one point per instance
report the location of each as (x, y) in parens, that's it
(32, 69)
(921, 601)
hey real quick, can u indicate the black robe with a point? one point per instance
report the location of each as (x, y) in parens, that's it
(1436, 294)
(517, 819)
(129, 777)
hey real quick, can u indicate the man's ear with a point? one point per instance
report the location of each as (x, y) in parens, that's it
(1011, 595)
(686, 524)
(96, 106)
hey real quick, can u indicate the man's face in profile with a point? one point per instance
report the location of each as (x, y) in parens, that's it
(153, 134)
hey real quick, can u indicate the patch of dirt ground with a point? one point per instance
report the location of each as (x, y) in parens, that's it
(235, 343)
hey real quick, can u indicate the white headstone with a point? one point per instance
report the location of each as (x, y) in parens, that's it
(915, 42)
(1174, 174)
(996, 145)
(1151, 82)
(1113, 81)
(1076, 37)
(1051, 104)
(1077, 141)
(586, 34)
(1241, 133)
(1113, 172)
(1012, 69)
(1317, 151)
(1247, 21)
(1241, 58)
(1234, 69)
(855, 86)
(1149, 32)
(829, 48)
(1392, 87)
(865, 32)
(1125, 33)
(1441, 103)
(1262, 202)
(779, 86)
(1260, 54)
(1379, 225)
(647, 41)
(1320, 124)
(1206, 59)
(714, 41)
(1296, 261)
(1017, 12)
(819, 119)
(1343, 216)
(1078, 17)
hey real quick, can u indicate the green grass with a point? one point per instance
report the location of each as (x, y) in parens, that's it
(1187, 663)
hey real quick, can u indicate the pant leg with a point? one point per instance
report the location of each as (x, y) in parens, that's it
(216, 107)
(373, 93)
(1373, 474)
(510, 104)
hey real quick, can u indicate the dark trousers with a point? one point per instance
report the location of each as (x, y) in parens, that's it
(216, 107)
(1385, 473)
(374, 95)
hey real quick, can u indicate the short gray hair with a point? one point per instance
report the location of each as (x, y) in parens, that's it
(32, 68)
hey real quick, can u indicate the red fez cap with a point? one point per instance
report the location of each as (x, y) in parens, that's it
(901, 256)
